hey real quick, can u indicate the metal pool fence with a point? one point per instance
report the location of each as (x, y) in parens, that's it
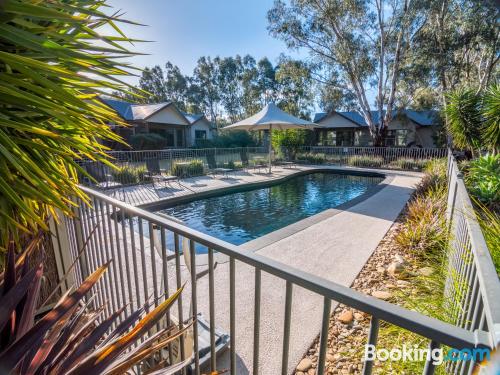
(472, 291)
(413, 158)
(144, 269)
(135, 167)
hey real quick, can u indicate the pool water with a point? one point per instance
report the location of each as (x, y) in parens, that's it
(242, 216)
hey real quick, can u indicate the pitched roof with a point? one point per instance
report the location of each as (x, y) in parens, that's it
(192, 117)
(423, 118)
(129, 111)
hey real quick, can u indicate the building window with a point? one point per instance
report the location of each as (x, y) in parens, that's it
(344, 137)
(326, 137)
(200, 134)
(396, 138)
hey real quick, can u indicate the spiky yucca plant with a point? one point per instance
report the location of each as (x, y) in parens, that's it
(54, 61)
(70, 338)
(474, 119)
(491, 113)
(464, 119)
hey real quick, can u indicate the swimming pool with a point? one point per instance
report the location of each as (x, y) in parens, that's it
(238, 217)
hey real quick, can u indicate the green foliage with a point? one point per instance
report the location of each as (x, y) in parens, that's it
(365, 161)
(52, 70)
(474, 119)
(124, 175)
(408, 163)
(72, 336)
(489, 221)
(434, 177)
(491, 114)
(193, 168)
(424, 231)
(422, 238)
(128, 175)
(483, 179)
(148, 141)
(289, 141)
(312, 158)
(233, 138)
(238, 86)
(464, 119)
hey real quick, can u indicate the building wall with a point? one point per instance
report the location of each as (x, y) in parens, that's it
(415, 134)
(425, 136)
(202, 124)
(337, 121)
(168, 115)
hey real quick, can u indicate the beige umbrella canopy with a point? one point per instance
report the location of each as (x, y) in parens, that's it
(269, 118)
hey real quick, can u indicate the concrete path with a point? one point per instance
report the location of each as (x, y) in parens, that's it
(335, 248)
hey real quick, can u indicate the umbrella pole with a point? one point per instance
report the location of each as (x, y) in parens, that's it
(270, 145)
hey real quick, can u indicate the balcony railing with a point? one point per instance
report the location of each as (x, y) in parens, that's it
(148, 253)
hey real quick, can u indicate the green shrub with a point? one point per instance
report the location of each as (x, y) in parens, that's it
(473, 118)
(491, 112)
(434, 176)
(233, 138)
(288, 142)
(483, 179)
(148, 141)
(312, 158)
(125, 175)
(408, 163)
(259, 161)
(233, 164)
(192, 169)
(424, 231)
(490, 225)
(365, 161)
(142, 174)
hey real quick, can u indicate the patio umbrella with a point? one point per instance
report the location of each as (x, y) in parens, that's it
(269, 118)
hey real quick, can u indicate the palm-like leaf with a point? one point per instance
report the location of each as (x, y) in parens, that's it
(464, 119)
(72, 338)
(491, 113)
(54, 61)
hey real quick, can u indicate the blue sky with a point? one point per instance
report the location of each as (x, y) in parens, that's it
(184, 30)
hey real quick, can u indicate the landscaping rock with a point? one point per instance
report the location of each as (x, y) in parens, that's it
(380, 294)
(304, 365)
(395, 269)
(346, 317)
(358, 316)
(400, 259)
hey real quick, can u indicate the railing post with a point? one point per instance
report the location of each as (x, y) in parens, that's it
(62, 249)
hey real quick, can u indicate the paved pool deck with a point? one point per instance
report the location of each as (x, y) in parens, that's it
(334, 244)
